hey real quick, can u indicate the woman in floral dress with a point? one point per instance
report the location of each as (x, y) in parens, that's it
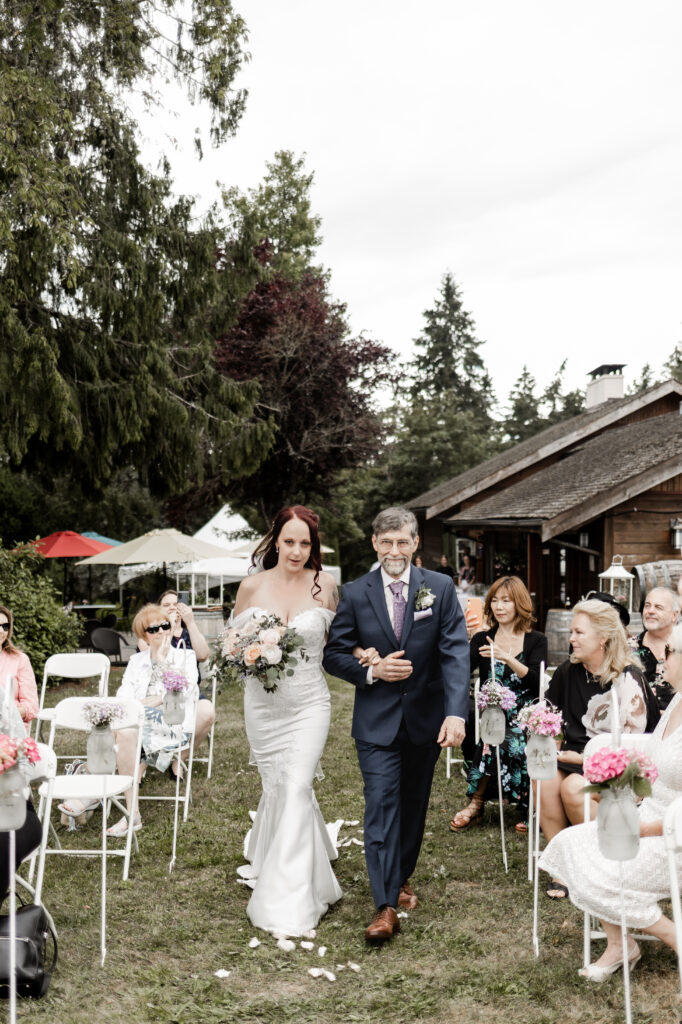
(519, 651)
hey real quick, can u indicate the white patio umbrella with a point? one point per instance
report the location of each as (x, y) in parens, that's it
(158, 546)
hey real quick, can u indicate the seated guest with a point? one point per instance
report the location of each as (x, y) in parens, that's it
(659, 615)
(519, 651)
(580, 689)
(594, 882)
(143, 681)
(15, 664)
(185, 630)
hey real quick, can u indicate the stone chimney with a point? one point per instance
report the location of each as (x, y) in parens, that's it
(606, 383)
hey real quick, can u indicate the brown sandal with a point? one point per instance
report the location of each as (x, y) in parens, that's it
(469, 815)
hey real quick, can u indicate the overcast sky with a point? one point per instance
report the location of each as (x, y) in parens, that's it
(531, 147)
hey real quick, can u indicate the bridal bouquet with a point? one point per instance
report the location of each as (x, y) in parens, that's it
(619, 769)
(264, 647)
(495, 695)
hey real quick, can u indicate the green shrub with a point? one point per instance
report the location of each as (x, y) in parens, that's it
(41, 627)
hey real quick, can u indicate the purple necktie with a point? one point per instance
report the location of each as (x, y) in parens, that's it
(399, 607)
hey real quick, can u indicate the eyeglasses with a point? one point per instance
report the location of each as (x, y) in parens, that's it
(4, 626)
(668, 650)
(165, 626)
(387, 544)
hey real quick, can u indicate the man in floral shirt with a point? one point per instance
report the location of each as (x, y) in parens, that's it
(660, 612)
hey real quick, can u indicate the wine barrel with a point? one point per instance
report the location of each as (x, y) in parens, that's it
(654, 574)
(558, 631)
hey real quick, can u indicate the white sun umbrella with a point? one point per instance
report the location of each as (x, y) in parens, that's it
(159, 547)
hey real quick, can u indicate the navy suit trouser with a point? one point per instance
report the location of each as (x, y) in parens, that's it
(397, 782)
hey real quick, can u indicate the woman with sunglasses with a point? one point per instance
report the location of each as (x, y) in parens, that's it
(594, 882)
(14, 664)
(143, 681)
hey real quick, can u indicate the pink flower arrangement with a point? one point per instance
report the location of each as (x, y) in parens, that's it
(494, 695)
(174, 681)
(541, 719)
(13, 751)
(617, 769)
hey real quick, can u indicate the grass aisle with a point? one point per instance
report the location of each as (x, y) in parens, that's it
(463, 956)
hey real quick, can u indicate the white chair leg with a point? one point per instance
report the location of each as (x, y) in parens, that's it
(103, 915)
(211, 736)
(677, 911)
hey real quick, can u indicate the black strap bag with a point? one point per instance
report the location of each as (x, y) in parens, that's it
(32, 932)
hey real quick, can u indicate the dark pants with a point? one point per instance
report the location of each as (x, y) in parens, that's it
(26, 840)
(397, 788)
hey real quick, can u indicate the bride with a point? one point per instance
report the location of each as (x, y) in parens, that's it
(289, 847)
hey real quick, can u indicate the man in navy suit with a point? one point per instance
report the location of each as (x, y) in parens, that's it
(410, 700)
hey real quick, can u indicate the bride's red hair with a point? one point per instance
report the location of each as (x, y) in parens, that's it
(265, 554)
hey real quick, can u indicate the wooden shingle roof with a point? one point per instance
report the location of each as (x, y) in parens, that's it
(592, 478)
(551, 441)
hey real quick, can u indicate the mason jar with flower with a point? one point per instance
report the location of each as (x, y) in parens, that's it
(492, 701)
(16, 756)
(175, 685)
(100, 746)
(543, 726)
(619, 776)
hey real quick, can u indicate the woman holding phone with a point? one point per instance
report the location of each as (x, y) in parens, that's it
(518, 651)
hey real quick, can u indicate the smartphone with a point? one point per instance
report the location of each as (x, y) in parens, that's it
(474, 612)
(183, 596)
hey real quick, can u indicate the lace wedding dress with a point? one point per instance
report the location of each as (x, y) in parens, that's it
(289, 847)
(573, 856)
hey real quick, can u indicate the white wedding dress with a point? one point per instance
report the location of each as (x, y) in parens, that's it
(573, 856)
(289, 847)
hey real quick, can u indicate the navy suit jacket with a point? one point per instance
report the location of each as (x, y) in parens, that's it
(436, 644)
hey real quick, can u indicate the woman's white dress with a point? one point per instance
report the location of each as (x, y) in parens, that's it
(573, 856)
(289, 846)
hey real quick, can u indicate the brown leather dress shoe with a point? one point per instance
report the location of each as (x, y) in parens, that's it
(384, 925)
(407, 898)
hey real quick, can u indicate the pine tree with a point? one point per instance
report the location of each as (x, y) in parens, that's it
(109, 290)
(673, 364)
(524, 418)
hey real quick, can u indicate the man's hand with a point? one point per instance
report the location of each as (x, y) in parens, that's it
(393, 668)
(185, 613)
(451, 732)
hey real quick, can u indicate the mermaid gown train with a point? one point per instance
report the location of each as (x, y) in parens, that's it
(289, 847)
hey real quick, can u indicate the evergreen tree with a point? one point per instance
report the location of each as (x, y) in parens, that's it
(560, 405)
(524, 418)
(280, 210)
(109, 291)
(645, 380)
(449, 355)
(673, 364)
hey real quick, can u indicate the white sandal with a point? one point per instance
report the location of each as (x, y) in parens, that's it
(120, 829)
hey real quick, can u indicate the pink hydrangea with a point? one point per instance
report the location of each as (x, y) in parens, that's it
(608, 764)
(494, 695)
(647, 768)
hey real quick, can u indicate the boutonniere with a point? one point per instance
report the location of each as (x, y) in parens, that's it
(423, 599)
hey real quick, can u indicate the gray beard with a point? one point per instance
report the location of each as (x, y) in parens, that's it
(395, 566)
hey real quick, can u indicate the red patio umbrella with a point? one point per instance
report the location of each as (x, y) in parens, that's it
(68, 544)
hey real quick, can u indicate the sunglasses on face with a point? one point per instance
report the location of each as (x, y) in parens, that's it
(165, 626)
(668, 650)
(4, 626)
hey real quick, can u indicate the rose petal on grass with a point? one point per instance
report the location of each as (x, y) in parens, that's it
(286, 944)
(322, 951)
(315, 972)
(354, 967)
(307, 945)
(254, 942)
(403, 915)
(329, 975)
(222, 973)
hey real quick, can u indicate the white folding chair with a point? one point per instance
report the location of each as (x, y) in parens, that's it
(42, 771)
(180, 784)
(672, 837)
(68, 714)
(72, 666)
(208, 760)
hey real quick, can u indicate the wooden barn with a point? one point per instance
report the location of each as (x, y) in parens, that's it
(555, 508)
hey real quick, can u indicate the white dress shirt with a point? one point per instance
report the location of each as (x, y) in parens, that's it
(388, 595)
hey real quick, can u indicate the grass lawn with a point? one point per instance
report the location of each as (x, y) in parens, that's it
(464, 955)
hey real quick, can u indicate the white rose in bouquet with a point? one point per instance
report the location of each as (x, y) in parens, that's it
(272, 654)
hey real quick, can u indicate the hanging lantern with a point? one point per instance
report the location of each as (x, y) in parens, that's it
(616, 580)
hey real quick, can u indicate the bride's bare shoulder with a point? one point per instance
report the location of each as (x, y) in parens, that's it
(330, 593)
(248, 588)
